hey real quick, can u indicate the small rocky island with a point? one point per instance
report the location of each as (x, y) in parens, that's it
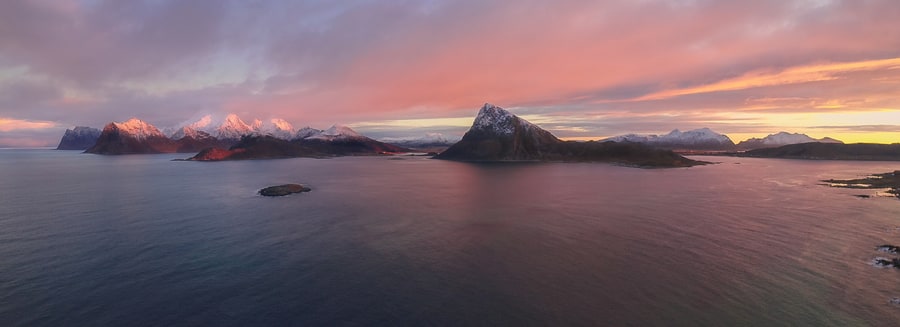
(282, 190)
(889, 181)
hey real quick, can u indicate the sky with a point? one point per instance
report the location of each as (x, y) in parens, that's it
(581, 69)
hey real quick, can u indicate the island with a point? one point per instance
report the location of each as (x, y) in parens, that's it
(282, 190)
(498, 135)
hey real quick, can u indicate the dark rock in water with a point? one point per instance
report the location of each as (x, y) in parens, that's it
(894, 300)
(887, 248)
(79, 138)
(862, 196)
(886, 263)
(282, 190)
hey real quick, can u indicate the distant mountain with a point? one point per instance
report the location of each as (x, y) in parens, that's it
(428, 142)
(132, 136)
(232, 127)
(80, 138)
(335, 141)
(697, 139)
(498, 135)
(829, 151)
(779, 139)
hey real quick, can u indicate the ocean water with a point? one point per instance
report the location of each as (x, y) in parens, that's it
(141, 240)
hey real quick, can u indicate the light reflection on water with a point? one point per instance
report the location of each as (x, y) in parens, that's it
(142, 240)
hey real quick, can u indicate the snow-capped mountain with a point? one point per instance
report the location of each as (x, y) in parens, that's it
(137, 129)
(80, 138)
(697, 139)
(495, 120)
(233, 128)
(780, 139)
(336, 133)
(497, 134)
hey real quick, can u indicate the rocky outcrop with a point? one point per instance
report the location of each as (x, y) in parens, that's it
(282, 190)
(79, 138)
(498, 135)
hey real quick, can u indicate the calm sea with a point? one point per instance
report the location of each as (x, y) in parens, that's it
(141, 240)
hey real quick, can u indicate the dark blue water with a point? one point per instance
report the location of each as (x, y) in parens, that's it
(145, 241)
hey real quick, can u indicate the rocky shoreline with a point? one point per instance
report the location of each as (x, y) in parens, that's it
(890, 181)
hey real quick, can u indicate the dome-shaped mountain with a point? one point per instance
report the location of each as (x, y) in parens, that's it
(498, 135)
(697, 139)
(780, 139)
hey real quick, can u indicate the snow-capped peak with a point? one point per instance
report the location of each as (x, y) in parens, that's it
(494, 119)
(138, 129)
(281, 124)
(233, 128)
(202, 124)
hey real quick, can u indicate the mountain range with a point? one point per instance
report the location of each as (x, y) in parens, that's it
(705, 139)
(225, 131)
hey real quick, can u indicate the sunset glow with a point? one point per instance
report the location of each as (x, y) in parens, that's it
(581, 69)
